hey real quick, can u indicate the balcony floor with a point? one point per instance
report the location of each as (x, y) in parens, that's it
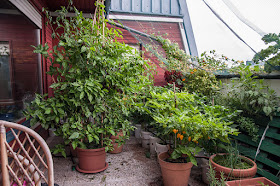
(131, 167)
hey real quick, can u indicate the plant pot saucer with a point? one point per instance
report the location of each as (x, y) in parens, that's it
(95, 171)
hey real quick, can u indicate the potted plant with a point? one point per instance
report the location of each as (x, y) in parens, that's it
(233, 165)
(187, 121)
(95, 79)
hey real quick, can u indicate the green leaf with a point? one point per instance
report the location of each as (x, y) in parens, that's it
(75, 135)
(83, 49)
(48, 111)
(193, 160)
(57, 119)
(82, 95)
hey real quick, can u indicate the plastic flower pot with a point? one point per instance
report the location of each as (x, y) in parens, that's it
(137, 132)
(145, 137)
(159, 148)
(174, 173)
(153, 141)
(234, 174)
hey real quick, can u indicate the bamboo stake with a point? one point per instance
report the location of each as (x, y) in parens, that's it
(175, 95)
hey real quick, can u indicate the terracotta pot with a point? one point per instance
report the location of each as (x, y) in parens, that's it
(145, 136)
(91, 160)
(117, 148)
(251, 181)
(174, 173)
(153, 141)
(234, 173)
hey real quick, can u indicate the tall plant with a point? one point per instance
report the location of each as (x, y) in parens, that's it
(95, 79)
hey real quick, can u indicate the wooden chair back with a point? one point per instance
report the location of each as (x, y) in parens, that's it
(27, 159)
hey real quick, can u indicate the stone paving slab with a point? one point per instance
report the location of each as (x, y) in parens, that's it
(131, 167)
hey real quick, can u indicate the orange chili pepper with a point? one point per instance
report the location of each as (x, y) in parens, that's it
(175, 131)
(189, 138)
(208, 137)
(178, 135)
(184, 132)
(191, 72)
(183, 79)
(181, 137)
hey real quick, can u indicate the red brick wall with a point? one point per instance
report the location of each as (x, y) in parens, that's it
(158, 28)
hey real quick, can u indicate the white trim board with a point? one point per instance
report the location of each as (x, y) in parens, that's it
(146, 18)
(184, 38)
(27, 9)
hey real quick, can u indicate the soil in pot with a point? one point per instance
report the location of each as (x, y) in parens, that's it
(245, 168)
(174, 173)
(91, 160)
(117, 148)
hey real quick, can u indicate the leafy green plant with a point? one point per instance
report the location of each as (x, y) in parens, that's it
(251, 95)
(202, 82)
(188, 121)
(95, 81)
(211, 175)
(270, 55)
(248, 125)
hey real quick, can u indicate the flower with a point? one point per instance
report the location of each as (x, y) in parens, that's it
(183, 79)
(191, 72)
(184, 132)
(175, 131)
(208, 137)
(194, 70)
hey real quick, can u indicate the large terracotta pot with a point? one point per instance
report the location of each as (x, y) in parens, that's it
(117, 148)
(91, 160)
(234, 173)
(174, 173)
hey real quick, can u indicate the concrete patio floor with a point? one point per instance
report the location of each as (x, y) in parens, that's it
(129, 168)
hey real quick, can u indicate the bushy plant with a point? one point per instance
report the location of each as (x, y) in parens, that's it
(202, 82)
(188, 121)
(95, 79)
(251, 95)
